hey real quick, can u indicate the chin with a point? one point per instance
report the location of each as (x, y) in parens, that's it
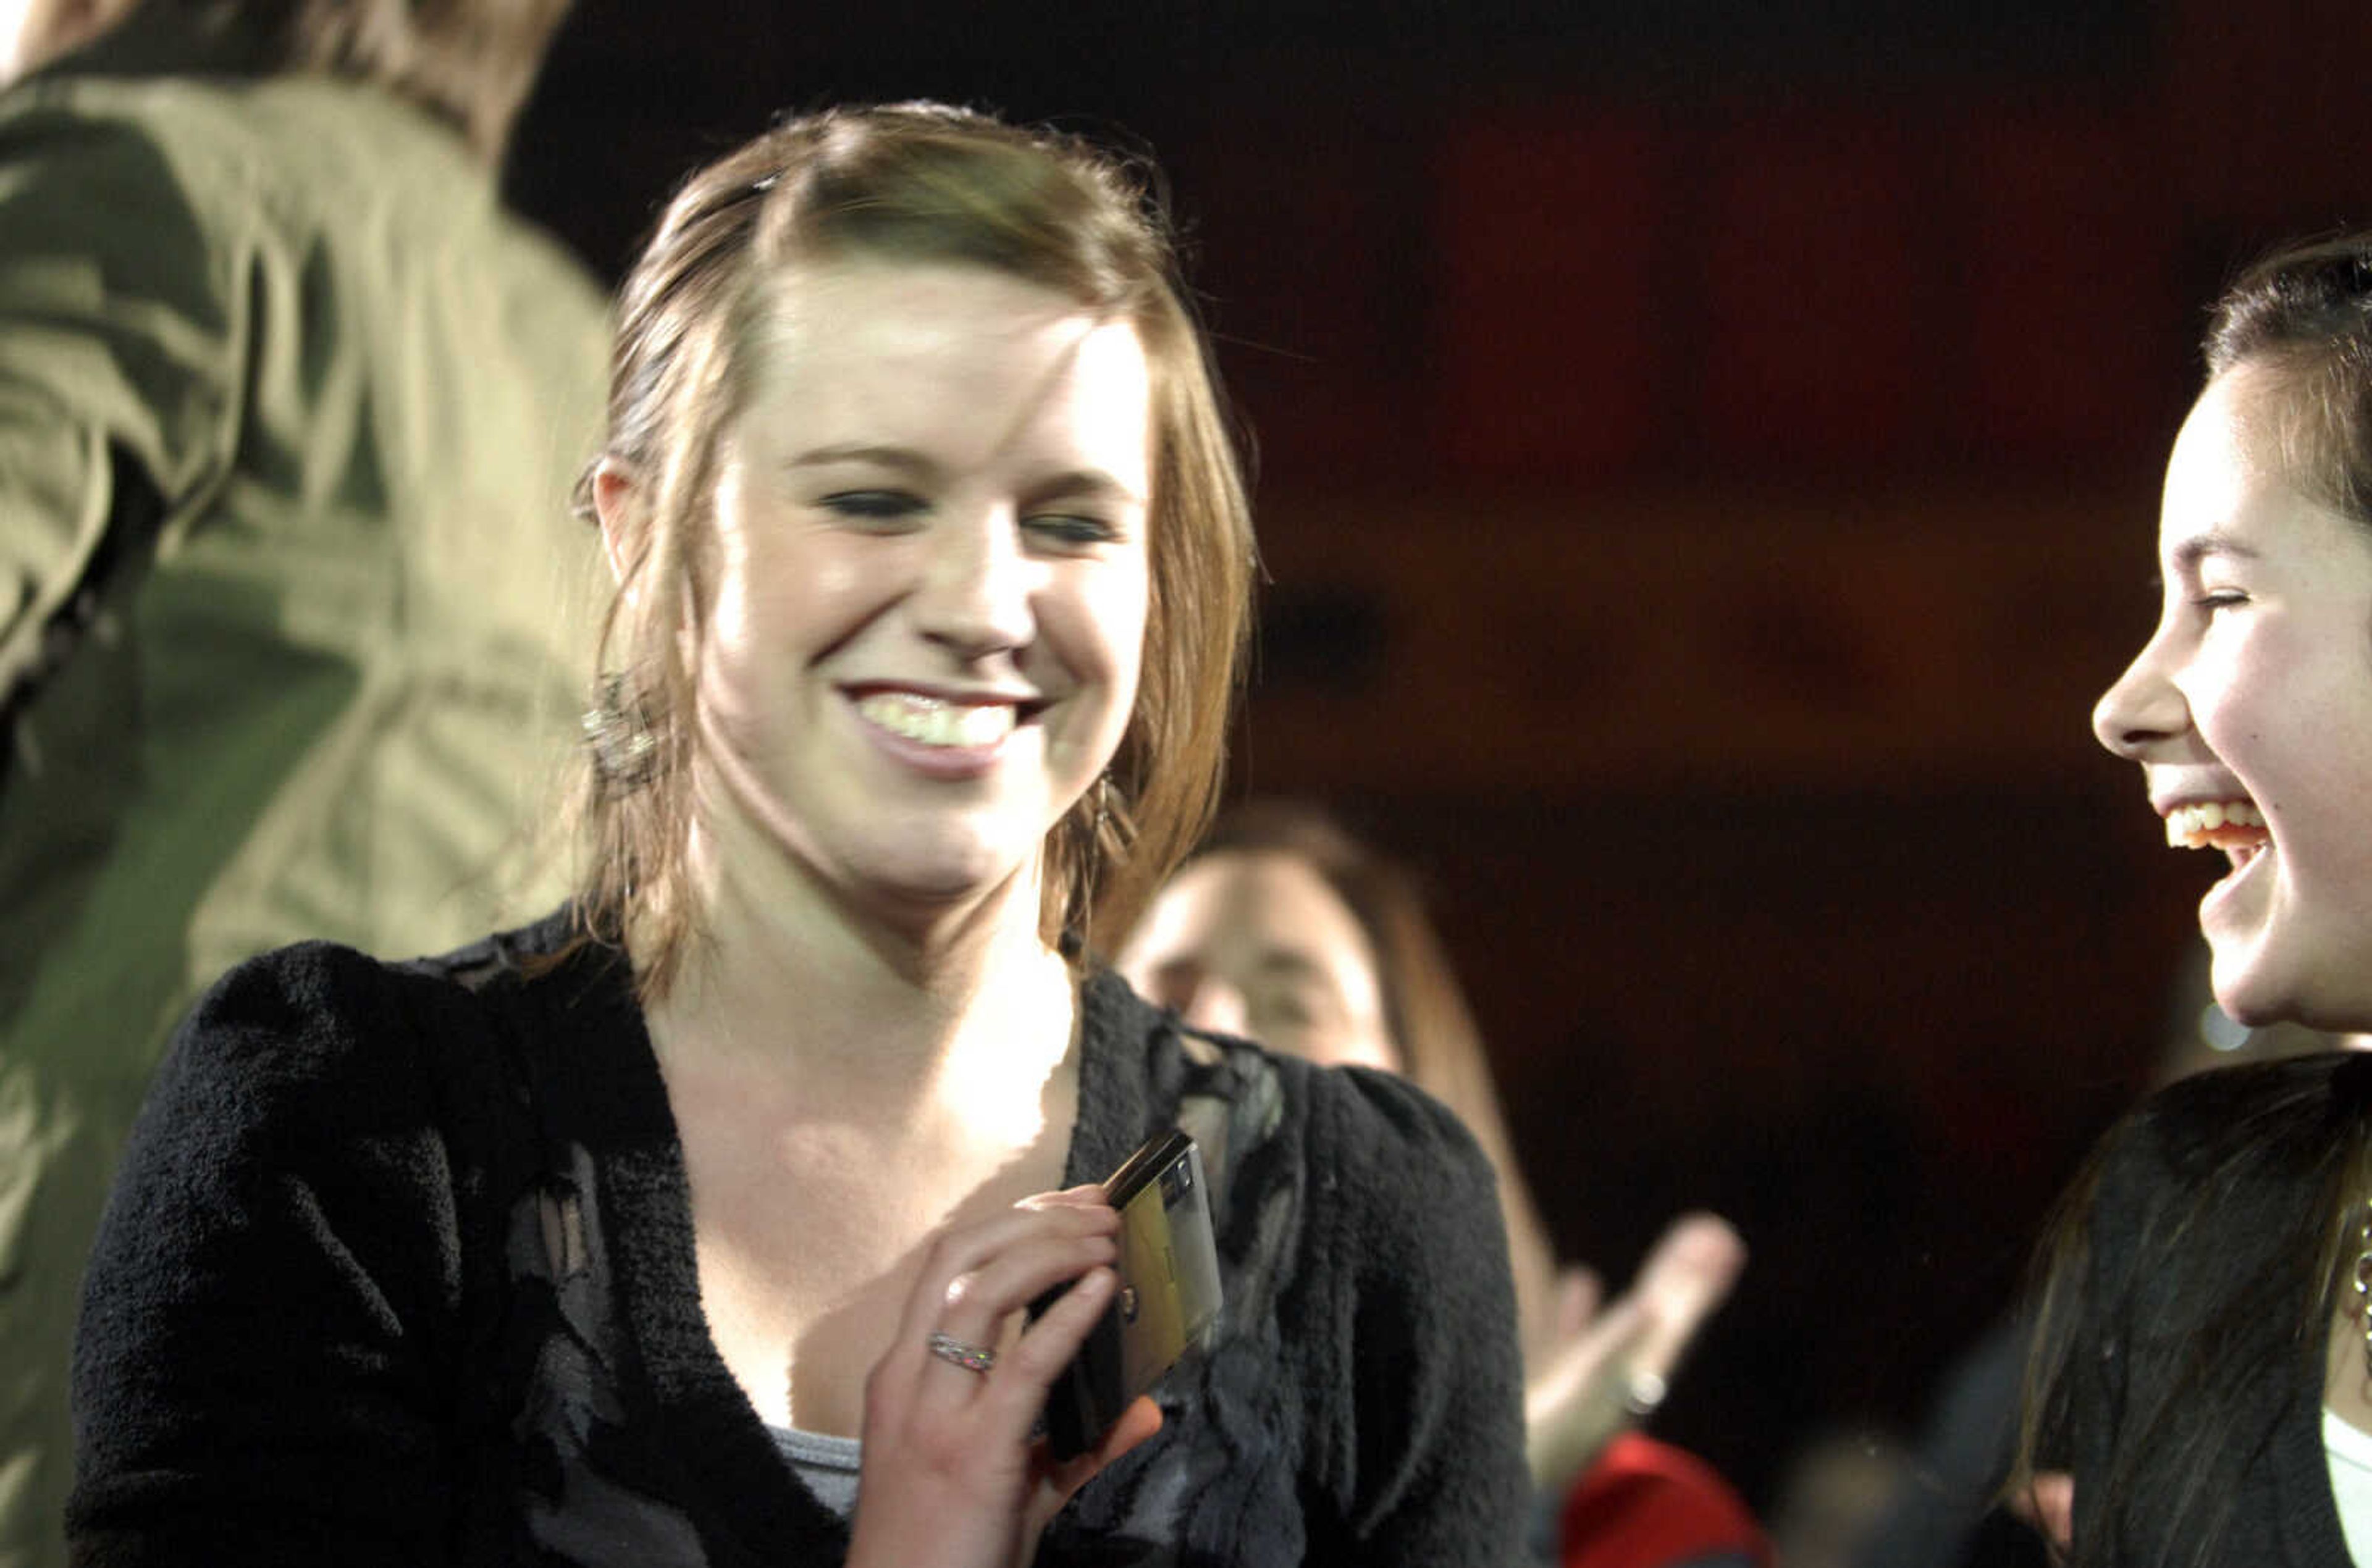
(926, 867)
(932, 883)
(2248, 994)
(2250, 1012)
(2255, 993)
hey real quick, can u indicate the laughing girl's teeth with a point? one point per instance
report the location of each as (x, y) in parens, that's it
(932, 721)
(2205, 824)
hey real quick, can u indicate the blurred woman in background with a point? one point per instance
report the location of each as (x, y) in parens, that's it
(1285, 930)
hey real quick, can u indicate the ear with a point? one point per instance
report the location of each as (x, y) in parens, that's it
(614, 493)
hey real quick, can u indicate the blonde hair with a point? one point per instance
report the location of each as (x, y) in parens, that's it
(906, 184)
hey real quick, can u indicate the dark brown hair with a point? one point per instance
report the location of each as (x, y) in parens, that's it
(2302, 317)
(914, 183)
(2187, 1284)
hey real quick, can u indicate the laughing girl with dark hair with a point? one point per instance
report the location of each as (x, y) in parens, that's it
(2204, 1370)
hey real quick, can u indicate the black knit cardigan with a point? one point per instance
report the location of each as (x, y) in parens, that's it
(400, 1271)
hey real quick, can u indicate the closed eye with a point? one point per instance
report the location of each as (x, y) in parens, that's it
(1071, 532)
(1286, 1011)
(873, 505)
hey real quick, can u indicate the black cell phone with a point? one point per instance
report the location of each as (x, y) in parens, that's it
(1168, 1300)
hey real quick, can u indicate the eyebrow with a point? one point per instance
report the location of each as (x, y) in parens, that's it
(904, 458)
(907, 460)
(2214, 541)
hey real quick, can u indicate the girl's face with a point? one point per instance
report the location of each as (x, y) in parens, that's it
(1256, 944)
(930, 576)
(2250, 710)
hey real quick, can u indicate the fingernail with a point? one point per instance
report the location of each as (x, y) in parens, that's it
(1073, 1197)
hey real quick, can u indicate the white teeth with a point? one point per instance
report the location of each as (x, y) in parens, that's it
(2188, 826)
(933, 721)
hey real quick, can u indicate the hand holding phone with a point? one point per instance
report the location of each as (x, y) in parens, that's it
(1167, 1299)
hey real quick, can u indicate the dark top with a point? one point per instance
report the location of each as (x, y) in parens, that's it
(2194, 1328)
(399, 1270)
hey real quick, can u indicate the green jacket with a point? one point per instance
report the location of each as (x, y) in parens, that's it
(293, 615)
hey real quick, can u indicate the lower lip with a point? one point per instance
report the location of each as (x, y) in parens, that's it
(2228, 885)
(934, 761)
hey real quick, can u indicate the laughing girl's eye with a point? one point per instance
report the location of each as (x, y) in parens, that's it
(2219, 599)
(873, 505)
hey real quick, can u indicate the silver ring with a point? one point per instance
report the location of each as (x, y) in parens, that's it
(1643, 1393)
(971, 1358)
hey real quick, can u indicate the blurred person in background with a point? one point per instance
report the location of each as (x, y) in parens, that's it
(1287, 930)
(1832, 1490)
(289, 411)
(34, 32)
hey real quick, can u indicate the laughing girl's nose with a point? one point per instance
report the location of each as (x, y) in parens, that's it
(2142, 707)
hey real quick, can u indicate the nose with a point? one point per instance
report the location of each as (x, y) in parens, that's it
(977, 588)
(1218, 1007)
(2144, 707)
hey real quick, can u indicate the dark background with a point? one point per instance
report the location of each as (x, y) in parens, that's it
(1708, 469)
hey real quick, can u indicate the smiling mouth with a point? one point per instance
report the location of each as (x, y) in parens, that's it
(934, 721)
(2236, 827)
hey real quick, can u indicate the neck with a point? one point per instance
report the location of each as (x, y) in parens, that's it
(902, 1018)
